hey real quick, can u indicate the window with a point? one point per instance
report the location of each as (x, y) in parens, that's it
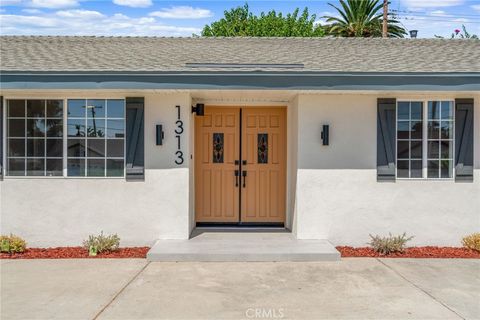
(96, 137)
(425, 139)
(34, 137)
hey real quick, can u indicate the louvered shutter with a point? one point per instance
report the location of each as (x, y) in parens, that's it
(464, 139)
(386, 118)
(135, 155)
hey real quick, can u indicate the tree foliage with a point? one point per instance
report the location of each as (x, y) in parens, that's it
(240, 22)
(361, 18)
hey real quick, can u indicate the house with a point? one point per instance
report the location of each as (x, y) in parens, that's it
(150, 137)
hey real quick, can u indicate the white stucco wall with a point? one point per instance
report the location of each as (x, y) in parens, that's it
(64, 211)
(338, 197)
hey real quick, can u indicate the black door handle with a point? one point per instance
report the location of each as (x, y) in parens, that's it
(237, 174)
(244, 175)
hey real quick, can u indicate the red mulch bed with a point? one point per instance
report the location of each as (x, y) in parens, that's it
(75, 253)
(414, 252)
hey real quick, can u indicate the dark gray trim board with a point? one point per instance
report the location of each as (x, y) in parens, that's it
(259, 81)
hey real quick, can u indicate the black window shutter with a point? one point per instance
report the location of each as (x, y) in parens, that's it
(1, 138)
(386, 119)
(135, 119)
(464, 140)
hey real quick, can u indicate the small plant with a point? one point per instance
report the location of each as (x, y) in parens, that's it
(12, 244)
(101, 243)
(390, 244)
(472, 241)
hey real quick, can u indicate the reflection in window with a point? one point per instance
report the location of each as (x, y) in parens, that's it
(409, 139)
(34, 137)
(96, 137)
(440, 139)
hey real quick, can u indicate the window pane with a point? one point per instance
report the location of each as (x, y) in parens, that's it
(76, 167)
(54, 109)
(433, 129)
(35, 167)
(115, 108)
(96, 148)
(447, 110)
(76, 127)
(433, 169)
(76, 147)
(96, 127)
(446, 150)
(115, 129)
(35, 147)
(416, 150)
(416, 169)
(115, 148)
(433, 110)
(403, 129)
(416, 110)
(36, 108)
(16, 128)
(433, 150)
(446, 168)
(114, 168)
(96, 167)
(76, 108)
(96, 108)
(54, 167)
(16, 147)
(54, 148)
(16, 108)
(403, 110)
(402, 168)
(35, 127)
(54, 128)
(16, 167)
(417, 129)
(402, 150)
(447, 130)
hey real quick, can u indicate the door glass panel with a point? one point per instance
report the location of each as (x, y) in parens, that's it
(262, 148)
(218, 148)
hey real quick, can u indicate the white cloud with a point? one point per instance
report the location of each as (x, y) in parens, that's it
(31, 11)
(134, 3)
(438, 13)
(86, 22)
(182, 12)
(53, 4)
(79, 14)
(419, 4)
(10, 2)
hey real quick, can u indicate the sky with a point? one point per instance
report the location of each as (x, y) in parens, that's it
(184, 18)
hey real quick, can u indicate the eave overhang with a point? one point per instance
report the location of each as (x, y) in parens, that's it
(246, 80)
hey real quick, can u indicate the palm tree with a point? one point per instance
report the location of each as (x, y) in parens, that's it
(361, 18)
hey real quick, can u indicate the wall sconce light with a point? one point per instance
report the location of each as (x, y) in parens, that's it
(199, 109)
(325, 134)
(160, 134)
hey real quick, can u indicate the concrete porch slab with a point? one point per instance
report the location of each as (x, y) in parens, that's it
(242, 245)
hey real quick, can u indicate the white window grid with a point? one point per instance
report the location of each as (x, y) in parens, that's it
(64, 158)
(86, 138)
(410, 140)
(25, 137)
(425, 139)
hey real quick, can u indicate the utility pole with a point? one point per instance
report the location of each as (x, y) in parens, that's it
(385, 19)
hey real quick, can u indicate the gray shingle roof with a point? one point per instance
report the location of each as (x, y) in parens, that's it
(155, 54)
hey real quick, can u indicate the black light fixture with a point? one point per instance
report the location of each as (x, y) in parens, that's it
(199, 109)
(160, 134)
(325, 134)
(413, 33)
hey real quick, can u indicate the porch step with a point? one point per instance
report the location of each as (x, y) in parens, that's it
(249, 245)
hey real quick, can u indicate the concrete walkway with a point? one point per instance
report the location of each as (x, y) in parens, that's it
(135, 289)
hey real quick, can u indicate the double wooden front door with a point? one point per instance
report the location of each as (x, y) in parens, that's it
(240, 165)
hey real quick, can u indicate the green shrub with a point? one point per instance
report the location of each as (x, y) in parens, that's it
(390, 244)
(101, 243)
(12, 244)
(472, 241)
